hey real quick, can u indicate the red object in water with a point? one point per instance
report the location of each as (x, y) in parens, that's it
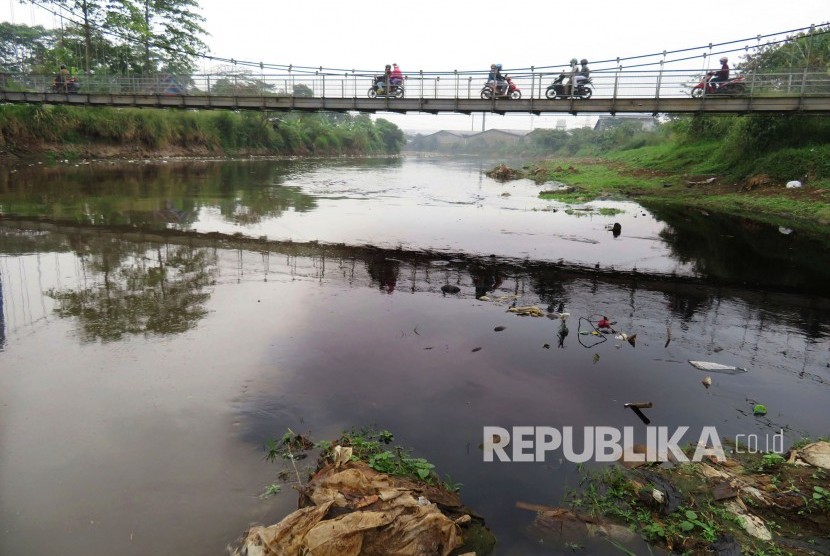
(604, 323)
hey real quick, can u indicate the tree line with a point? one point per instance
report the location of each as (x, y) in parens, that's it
(118, 37)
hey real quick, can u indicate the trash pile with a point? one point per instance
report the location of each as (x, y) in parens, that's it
(502, 172)
(349, 508)
(748, 503)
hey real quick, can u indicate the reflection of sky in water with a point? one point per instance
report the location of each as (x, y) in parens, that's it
(424, 204)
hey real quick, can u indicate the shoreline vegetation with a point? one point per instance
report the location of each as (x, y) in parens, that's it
(52, 133)
(774, 169)
(752, 502)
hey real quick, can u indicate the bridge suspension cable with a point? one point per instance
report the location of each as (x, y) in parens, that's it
(615, 63)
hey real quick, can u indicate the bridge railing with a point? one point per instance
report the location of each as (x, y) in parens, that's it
(447, 85)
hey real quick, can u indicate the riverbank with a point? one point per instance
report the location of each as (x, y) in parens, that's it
(760, 197)
(750, 502)
(49, 133)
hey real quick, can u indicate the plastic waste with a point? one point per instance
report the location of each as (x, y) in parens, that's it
(816, 454)
(348, 509)
(759, 409)
(794, 184)
(530, 310)
(717, 367)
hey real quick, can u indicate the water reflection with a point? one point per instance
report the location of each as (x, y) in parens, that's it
(739, 250)
(416, 204)
(136, 289)
(153, 196)
(296, 335)
(383, 271)
(126, 284)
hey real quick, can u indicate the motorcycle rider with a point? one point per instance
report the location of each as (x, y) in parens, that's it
(571, 74)
(62, 79)
(491, 77)
(496, 80)
(721, 75)
(396, 77)
(382, 80)
(583, 74)
(501, 82)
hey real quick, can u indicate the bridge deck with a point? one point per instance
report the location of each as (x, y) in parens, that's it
(712, 104)
(796, 90)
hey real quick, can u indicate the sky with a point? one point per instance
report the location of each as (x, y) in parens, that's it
(446, 35)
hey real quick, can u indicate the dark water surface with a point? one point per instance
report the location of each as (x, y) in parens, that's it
(145, 359)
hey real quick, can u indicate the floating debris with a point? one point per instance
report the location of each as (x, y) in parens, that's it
(641, 405)
(530, 310)
(707, 382)
(717, 367)
(499, 328)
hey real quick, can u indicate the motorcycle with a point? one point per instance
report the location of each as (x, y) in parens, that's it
(559, 89)
(512, 91)
(735, 86)
(71, 85)
(378, 89)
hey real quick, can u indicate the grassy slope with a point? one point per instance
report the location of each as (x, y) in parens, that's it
(680, 174)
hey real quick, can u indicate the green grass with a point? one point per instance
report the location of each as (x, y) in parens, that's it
(592, 180)
(70, 129)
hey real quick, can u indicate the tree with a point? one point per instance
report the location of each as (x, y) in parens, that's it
(22, 47)
(809, 50)
(168, 31)
(390, 134)
(173, 30)
(86, 15)
(302, 90)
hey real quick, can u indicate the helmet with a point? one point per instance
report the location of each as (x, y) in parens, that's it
(388, 66)
(573, 61)
(498, 66)
(492, 66)
(724, 59)
(583, 61)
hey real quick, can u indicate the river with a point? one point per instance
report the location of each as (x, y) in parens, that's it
(162, 320)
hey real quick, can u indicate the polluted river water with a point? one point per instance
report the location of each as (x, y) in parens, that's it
(161, 322)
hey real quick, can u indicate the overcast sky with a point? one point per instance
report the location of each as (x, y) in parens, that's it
(436, 35)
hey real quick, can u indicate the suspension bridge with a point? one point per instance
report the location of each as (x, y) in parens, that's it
(613, 91)
(658, 82)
